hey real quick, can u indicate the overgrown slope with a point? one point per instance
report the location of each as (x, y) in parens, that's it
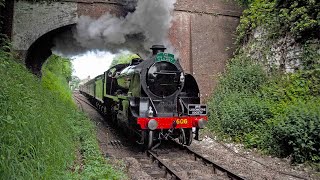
(270, 94)
(41, 129)
(56, 72)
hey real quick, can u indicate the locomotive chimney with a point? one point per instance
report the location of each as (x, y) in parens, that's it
(157, 48)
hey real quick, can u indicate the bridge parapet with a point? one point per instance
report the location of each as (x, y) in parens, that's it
(31, 21)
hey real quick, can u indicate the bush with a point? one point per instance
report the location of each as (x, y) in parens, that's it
(239, 114)
(298, 132)
(243, 75)
(302, 85)
(233, 108)
(278, 114)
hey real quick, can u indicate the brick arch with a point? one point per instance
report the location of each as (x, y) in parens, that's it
(36, 24)
(33, 20)
(40, 49)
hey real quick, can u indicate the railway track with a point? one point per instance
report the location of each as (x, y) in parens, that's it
(79, 99)
(169, 161)
(78, 102)
(181, 162)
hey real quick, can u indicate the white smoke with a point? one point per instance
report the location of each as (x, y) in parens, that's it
(137, 32)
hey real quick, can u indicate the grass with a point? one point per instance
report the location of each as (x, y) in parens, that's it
(40, 131)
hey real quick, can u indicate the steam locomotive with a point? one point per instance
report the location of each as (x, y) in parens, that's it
(153, 99)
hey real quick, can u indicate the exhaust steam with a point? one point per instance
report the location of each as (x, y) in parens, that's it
(147, 25)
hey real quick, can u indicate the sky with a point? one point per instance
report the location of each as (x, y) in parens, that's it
(92, 63)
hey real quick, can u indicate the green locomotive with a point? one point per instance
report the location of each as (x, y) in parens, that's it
(153, 99)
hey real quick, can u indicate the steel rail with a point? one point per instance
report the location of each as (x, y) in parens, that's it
(78, 102)
(85, 101)
(161, 164)
(215, 166)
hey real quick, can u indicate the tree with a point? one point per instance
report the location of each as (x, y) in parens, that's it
(74, 83)
(123, 58)
(59, 65)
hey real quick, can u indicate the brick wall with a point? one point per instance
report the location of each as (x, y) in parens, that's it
(203, 33)
(85, 7)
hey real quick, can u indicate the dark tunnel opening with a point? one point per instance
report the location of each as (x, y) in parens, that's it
(40, 50)
(6, 18)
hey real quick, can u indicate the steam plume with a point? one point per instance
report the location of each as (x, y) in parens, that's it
(147, 25)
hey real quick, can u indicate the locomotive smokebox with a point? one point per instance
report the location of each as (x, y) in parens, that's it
(157, 48)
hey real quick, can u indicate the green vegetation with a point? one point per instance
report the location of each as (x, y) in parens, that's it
(56, 72)
(123, 58)
(75, 82)
(95, 166)
(300, 18)
(41, 129)
(36, 140)
(278, 114)
(275, 112)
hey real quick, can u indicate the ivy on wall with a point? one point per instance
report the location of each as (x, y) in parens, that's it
(300, 18)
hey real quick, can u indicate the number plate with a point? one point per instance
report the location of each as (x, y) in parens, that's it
(165, 57)
(182, 121)
(197, 109)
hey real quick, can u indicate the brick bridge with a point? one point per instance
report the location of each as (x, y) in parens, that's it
(202, 31)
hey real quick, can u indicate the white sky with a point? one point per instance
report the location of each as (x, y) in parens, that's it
(92, 63)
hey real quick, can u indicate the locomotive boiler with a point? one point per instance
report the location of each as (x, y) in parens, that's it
(153, 99)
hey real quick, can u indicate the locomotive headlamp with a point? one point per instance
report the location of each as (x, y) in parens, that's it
(202, 123)
(152, 124)
(182, 78)
(150, 112)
